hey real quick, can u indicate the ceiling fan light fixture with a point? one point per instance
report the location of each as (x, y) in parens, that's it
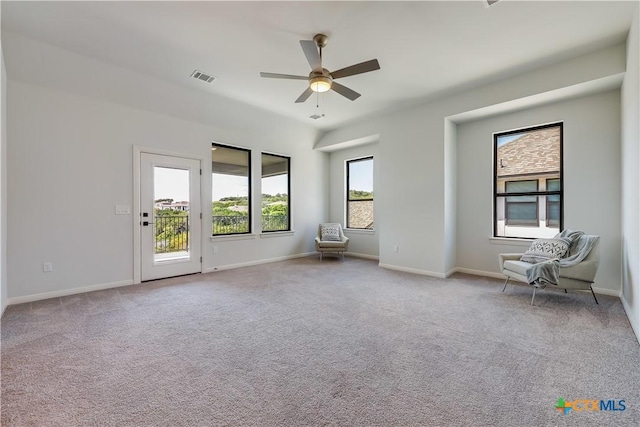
(320, 84)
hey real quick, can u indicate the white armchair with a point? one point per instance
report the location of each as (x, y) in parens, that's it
(577, 277)
(331, 239)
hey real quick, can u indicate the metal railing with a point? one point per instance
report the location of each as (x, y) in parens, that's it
(235, 224)
(275, 222)
(172, 234)
(231, 224)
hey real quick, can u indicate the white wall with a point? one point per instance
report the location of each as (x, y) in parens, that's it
(631, 178)
(415, 210)
(3, 189)
(591, 161)
(71, 161)
(361, 242)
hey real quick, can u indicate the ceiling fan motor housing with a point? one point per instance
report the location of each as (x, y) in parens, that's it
(321, 40)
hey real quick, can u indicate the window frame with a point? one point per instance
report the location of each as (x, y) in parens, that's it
(288, 159)
(560, 192)
(348, 192)
(249, 191)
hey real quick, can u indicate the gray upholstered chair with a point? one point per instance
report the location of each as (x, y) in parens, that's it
(577, 277)
(331, 239)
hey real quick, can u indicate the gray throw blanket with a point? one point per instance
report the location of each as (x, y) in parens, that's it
(548, 272)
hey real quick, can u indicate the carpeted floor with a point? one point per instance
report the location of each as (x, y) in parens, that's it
(309, 343)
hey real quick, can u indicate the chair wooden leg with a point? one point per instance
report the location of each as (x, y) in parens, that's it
(594, 295)
(505, 284)
(534, 295)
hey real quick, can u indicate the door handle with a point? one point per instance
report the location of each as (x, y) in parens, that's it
(146, 223)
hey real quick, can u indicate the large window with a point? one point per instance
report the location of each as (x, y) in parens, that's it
(231, 190)
(360, 193)
(528, 182)
(276, 203)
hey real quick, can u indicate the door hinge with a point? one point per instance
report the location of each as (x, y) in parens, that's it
(200, 171)
(200, 260)
(200, 215)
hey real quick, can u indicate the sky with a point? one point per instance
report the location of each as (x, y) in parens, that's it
(174, 184)
(229, 185)
(361, 176)
(171, 184)
(504, 139)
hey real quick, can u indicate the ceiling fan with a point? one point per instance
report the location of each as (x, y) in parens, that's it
(320, 79)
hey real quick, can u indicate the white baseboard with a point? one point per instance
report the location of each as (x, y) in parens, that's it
(257, 262)
(606, 291)
(412, 270)
(476, 272)
(631, 316)
(66, 292)
(357, 255)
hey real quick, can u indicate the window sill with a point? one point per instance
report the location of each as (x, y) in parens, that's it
(358, 231)
(270, 234)
(511, 241)
(232, 237)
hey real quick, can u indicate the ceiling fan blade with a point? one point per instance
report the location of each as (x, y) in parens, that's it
(305, 95)
(345, 91)
(283, 76)
(363, 67)
(310, 50)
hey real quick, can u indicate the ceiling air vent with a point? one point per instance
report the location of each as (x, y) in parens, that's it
(202, 76)
(316, 116)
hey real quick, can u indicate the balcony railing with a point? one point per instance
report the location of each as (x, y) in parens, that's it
(231, 224)
(172, 234)
(275, 222)
(235, 224)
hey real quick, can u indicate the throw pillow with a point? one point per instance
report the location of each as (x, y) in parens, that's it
(330, 233)
(546, 249)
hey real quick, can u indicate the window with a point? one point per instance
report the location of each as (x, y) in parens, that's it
(528, 182)
(276, 204)
(521, 210)
(231, 190)
(360, 193)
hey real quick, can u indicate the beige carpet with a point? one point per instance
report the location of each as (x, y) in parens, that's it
(310, 343)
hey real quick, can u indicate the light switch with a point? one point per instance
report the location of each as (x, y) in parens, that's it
(123, 210)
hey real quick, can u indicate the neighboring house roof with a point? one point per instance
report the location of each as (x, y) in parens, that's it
(361, 214)
(535, 152)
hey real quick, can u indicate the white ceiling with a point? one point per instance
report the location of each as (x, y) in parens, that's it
(425, 49)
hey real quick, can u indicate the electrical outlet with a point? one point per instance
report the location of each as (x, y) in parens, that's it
(215, 250)
(47, 267)
(395, 248)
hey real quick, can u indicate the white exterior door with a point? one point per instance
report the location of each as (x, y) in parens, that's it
(169, 216)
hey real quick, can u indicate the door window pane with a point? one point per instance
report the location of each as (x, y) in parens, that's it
(171, 213)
